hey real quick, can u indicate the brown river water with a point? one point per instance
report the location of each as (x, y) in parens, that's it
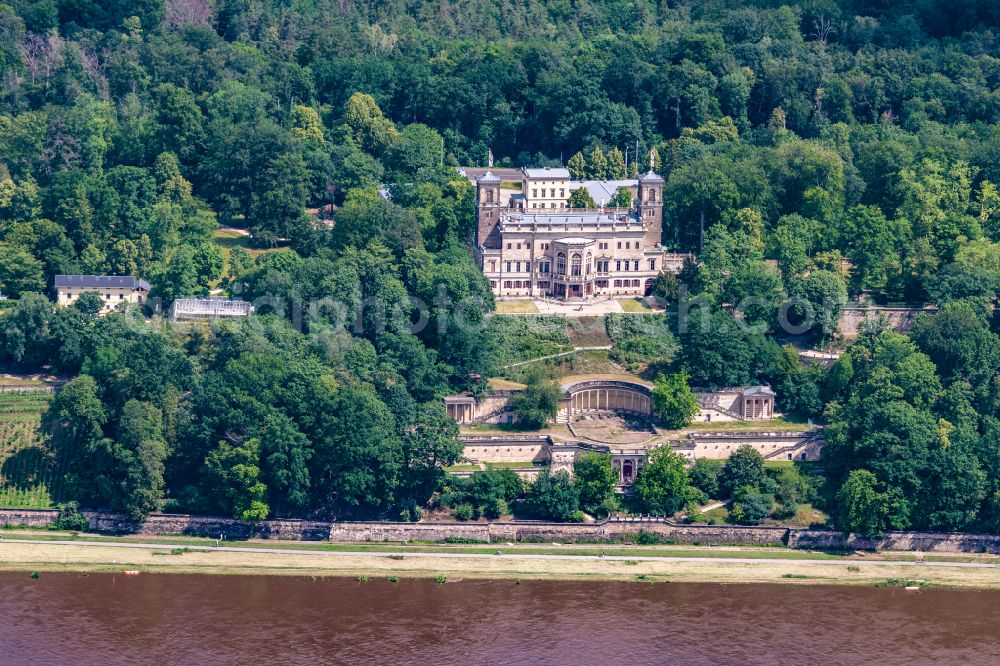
(176, 619)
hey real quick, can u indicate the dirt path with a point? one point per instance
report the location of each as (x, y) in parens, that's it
(36, 554)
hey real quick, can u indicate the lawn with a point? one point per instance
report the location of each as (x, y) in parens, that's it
(634, 305)
(773, 425)
(8, 380)
(521, 306)
(227, 239)
(501, 384)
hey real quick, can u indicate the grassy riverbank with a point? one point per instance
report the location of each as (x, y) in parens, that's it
(43, 553)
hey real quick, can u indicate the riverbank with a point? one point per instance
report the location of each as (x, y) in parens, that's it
(641, 564)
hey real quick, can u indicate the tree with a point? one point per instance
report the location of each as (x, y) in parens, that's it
(306, 125)
(662, 485)
(744, 468)
(596, 481)
(673, 401)
(616, 164)
(19, 272)
(622, 198)
(577, 166)
(552, 496)
(233, 477)
(416, 149)
(704, 475)
(580, 198)
(825, 293)
(495, 490)
(750, 507)
(369, 128)
(538, 402)
(26, 332)
(597, 165)
(141, 452)
(861, 508)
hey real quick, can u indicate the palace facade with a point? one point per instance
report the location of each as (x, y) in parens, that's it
(531, 244)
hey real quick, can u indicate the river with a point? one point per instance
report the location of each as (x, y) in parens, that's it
(179, 619)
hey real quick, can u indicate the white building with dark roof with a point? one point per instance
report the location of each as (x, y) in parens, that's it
(113, 289)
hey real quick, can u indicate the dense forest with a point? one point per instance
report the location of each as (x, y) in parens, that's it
(818, 149)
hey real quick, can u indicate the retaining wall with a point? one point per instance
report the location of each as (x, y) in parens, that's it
(614, 530)
(900, 319)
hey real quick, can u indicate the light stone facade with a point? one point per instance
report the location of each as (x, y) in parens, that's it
(738, 403)
(535, 246)
(113, 289)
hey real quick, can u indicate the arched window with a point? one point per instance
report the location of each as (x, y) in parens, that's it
(489, 196)
(576, 264)
(561, 263)
(590, 261)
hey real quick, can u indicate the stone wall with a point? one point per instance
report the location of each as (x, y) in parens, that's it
(900, 319)
(506, 451)
(614, 530)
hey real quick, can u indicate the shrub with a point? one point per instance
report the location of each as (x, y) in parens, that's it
(553, 496)
(578, 516)
(744, 468)
(70, 519)
(750, 507)
(496, 509)
(704, 475)
(464, 512)
(647, 538)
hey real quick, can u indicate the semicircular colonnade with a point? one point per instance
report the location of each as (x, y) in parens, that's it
(607, 395)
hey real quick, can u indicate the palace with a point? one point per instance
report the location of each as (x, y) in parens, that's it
(531, 244)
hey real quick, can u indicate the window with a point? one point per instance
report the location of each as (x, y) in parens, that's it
(543, 285)
(493, 266)
(589, 262)
(652, 264)
(508, 246)
(562, 191)
(107, 297)
(508, 266)
(635, 266)
(576, 265)
(561, 263)
(619, 245)
(121, 297)
(534, 193)
(489, 196)
(506, 284)
(534, 205)
(618, 283)
(544, 267)
(518, 246)
(628, 245)
(493, 284)
(518, 269)
(618, 265)
(603, 246)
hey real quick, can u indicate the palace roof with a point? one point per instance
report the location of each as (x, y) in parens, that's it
(554, 173)
(572, 217)
(101, 282)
